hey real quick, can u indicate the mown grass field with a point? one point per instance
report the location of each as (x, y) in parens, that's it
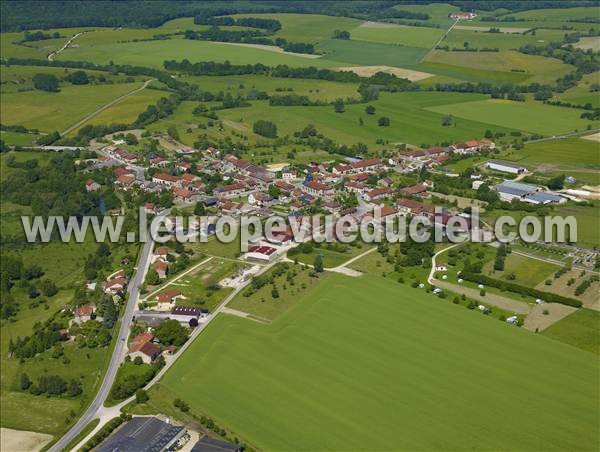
(243, 84)
(369, 53)
(503, 41)
(536, 68)
(579, 329)
(411, 119)
(356, 349)
(527, 116)
(154, 53)
(397, 34)
(56, 111)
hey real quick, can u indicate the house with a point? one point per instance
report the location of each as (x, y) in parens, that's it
(356, 187)
(208, 444)
(150, 208)
(342, 169)
(378, 194)
(318, 189)
(261, 253)
(84, 312)
(184, 196)
(462, 16)
(232, 189)
(411, 207)
(161, 269)
(368, 165)
(92, 185)
(288, 174)
(284, 186)
(115, 286)
(125, 181)
(332, 206)
(414, 190)
(158, 161)
(167, 299)
(162, 252)
(183, 314)
(137, 342)
(165, 179)
(147, 351)
(144, 433)
(183, 166)
(261, 199)
(505, 167)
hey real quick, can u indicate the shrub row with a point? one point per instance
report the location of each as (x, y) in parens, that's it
(516, 288)
(103, 433)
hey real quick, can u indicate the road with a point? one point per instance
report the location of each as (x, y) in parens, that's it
(440, 40)
(56, 52)
(105, 106)
(105, 414)
(118, 353)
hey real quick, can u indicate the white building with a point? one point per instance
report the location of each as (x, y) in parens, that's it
(505, 167)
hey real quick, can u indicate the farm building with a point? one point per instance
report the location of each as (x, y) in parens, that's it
(509, 190)
(208, 444)
(144, 433)
(261, 253)
(505, 167)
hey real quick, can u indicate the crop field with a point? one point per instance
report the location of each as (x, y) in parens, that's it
(370, 53)
(542, 18)
(579, 329)
(154, 53)
(536, 68)
(56, 111)
(390, 369)
(526, 116)
(311, 28)
(243, 84)
(438, 12)
(503, 41)
(397, 34)
(127, 110)
(411, 120)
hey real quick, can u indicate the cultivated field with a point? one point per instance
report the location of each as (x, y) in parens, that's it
(365, 338)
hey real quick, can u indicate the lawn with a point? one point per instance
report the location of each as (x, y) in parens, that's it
(529, 116)
(154, 53)
(579, 329)
(333, 255)
(357, 348)
(292, 285)
(56, 111)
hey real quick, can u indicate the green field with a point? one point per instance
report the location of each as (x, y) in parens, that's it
(370, 53)
(528, 272)
(581, 93)
(357, 349)
(398, 34)
(527, 116)
(438, 12)
(503, 41)
(56, 111)
(535, 68)
(580, 329)
(154, 53)
(412, 120)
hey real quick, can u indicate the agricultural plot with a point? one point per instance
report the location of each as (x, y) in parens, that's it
(438, 13)
(311, 28)
(582, 94)
(243, 84)
(154, 53)
(56, 111)
(527, 116)
(541, 18)
(397, 34)
(389, 369)
(411, 119)
(370, 53)
(503, 41)
(525, 271)
(589, 43)
(579, 329)
(535, 68)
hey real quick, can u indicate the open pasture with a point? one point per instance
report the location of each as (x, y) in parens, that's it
(56, 111)
(579, 329)
(438, 13)
(535, 68)
(503, 41)
(411, 120)
(527, 116)
(370, 53)
(367, 335)
(397, 34)
(154, 53)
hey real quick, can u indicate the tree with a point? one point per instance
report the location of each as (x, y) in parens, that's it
(131, 139)
(446, 120)
(138, 361)
(152, 277)
(488, 134)
(338, 106)
(74, 388)
(193, 323)
(275, 292)
(341, 34)
(384, 121)
(170, 332)
(25, 382)
(318, 264)
(370, 110)
(199, 209)
(48, 288)
(79, 78)
(265, 128)
(557, 182)
(141, 396)
(45, 82)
